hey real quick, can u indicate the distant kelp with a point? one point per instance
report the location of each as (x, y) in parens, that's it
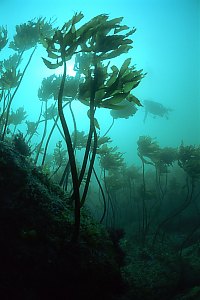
(27, 36)
(189, 160)
(163, 160)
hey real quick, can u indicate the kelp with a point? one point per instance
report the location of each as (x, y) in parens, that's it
(101, 86)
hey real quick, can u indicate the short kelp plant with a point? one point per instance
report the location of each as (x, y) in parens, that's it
(101, 85)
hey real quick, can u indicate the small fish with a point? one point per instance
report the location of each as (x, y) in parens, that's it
(156, 109)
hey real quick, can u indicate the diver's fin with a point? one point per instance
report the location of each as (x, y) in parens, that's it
(145, 115)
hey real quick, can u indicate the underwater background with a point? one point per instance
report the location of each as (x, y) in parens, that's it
(114, 202)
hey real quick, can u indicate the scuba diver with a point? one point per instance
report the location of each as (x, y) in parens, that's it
(155, 108)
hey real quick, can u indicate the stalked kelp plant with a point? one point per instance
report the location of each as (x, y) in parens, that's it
(93, 44)
(161, 159)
